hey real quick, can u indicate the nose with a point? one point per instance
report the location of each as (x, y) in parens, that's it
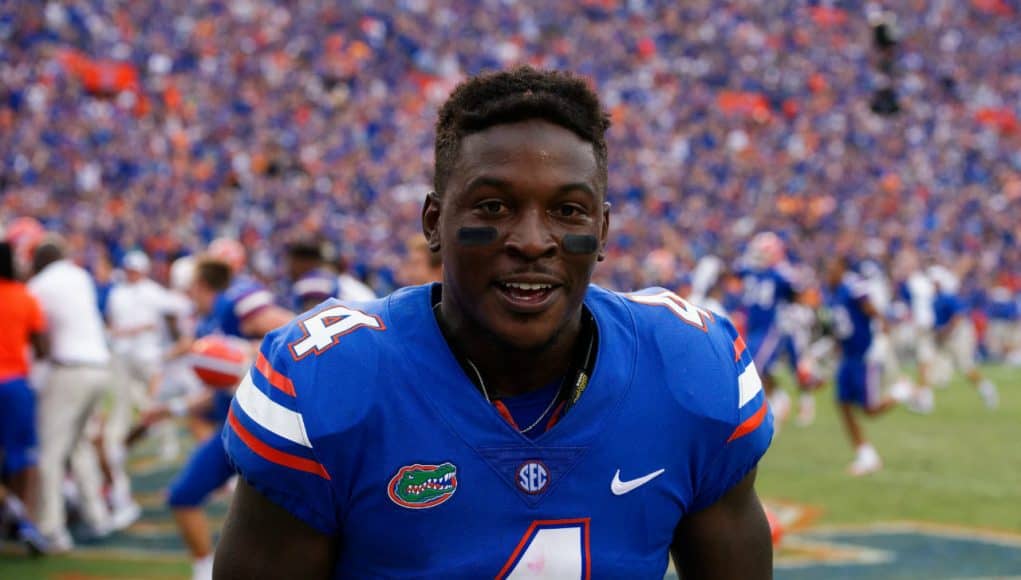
(531, 238)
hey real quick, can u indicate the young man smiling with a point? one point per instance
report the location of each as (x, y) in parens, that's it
(513, 421)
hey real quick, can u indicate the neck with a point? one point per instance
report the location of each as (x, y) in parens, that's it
(509, 371)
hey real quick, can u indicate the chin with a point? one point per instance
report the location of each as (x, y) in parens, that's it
(527, 334)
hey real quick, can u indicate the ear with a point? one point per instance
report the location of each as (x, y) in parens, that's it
(431, 220)
(604, 232)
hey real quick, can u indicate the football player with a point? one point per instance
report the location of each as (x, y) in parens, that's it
(220, 302)
(954, 332)
(514, 420)
(852, 317)
(767, 287)
(311, 281)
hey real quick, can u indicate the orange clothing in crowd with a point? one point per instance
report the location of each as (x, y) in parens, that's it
(22, 317)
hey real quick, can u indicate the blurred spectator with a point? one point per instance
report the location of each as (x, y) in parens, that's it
(142, 318)
(71, 392)
(24, 330)
(422, 265)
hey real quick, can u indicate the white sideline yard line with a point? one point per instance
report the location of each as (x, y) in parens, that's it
(999, 537)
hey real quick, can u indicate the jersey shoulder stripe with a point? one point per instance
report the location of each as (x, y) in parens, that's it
(271, 454)
(276, 379)
(271, 415)
(252, 303)
(315, 286)
(265, 415)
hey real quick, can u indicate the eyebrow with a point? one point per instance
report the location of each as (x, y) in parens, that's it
(580, 186)
(503, 185)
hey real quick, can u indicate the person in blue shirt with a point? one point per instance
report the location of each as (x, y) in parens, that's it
(1003, 337)
(311, 281)
(852, 317)
(767, 289)
(231, 305)
(514, 419)
(956, 342)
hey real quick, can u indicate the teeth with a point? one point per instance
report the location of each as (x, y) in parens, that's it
(527, 286)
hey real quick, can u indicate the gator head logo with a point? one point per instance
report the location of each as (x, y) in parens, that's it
(423, 486)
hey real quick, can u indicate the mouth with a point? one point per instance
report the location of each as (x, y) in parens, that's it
(528, 297)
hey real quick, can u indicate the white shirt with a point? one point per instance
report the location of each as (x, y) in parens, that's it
(136, 312)
(923, 295)
(353, 290)
(68, 297)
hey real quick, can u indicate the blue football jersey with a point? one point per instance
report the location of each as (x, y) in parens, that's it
(945, 308)
(765, 290)
(244, 298)
(852, 326)
(1002, 305)
(363, 424)
(314, 286)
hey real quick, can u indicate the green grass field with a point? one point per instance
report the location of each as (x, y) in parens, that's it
(959, 466)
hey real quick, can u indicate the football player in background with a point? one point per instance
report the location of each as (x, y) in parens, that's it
(955, 334)
(915, 289)
(311, 281)
(1003, 339)
(858, 382)
(514, 419)
(226, 307)
(767, 287)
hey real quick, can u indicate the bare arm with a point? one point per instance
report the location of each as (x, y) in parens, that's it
(262, 322)
(263, 540)
(729, 539)
(173, 326)
(40, 344)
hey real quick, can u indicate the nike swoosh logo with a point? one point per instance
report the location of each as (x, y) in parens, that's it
(619, 487)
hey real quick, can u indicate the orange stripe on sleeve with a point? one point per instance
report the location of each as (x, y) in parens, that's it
(739, 348)
(751, 423)
(276, 379)
(274, 455)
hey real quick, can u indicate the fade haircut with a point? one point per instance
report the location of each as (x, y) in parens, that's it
(521, 94)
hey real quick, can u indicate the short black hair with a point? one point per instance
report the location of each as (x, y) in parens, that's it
(306, 248)
(513, 96)
(6, 261)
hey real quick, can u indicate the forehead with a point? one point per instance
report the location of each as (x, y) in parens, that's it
(550, 153)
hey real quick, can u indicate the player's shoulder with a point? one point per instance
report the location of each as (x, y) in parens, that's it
(332, 331)
(243, 286)
(336, 355)
(705, 363)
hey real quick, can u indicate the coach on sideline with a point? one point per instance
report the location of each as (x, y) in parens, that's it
(70, 392)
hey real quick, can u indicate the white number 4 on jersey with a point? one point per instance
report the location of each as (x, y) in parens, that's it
(324, 329)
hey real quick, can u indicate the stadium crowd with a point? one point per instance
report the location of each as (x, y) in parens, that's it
(254, 119)
(158, 127)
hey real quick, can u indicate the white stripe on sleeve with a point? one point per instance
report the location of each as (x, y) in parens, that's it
(315, 286)
(749, 385)
(253, 302)
(269, 415)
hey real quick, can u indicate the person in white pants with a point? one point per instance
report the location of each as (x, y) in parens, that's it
(70, 392)
(140, 314)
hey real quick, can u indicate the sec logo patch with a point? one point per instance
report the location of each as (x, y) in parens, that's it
(533, 477)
